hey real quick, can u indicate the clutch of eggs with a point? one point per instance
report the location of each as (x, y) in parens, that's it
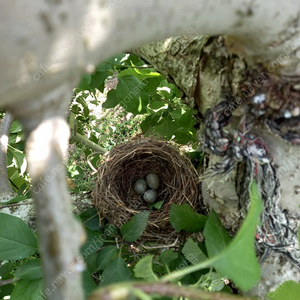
(141, 187)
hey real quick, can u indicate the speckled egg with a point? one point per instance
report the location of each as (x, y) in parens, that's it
(152, 180)
(150, 196)
(140, 186)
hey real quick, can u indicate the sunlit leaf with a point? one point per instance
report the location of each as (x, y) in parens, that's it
(182, 217)
(143, 269)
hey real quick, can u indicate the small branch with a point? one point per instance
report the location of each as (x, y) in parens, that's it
(129, 66)
(31, 202)
(83, 204)
(8, 281)
(123, 291)
(15, 204)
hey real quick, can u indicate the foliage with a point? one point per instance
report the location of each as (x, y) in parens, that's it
(201, 265)
(135, 99)
(16, 160)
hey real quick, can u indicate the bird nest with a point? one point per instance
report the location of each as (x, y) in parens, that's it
(116, 199)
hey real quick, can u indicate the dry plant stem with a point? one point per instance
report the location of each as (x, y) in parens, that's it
(123, 291)
(31, 202)
(82, 139)
(5, 188)
(16, 204)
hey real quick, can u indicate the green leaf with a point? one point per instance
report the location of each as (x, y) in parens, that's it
(98, 80)
(167, 128)
(152, 84)
(143, 269)
(167, 256)
(94, 241)
(187, 121)
(16, 238)
(15, 200)
(28, 290)
(110, 230)
(132, 95)
(116, 271)
(183, 136)
(18, 155)
(149, 122)
(182, 217)
(216, 236)
(86, 111)
(192, 252)
(289, 290)
(239, 261)
(112, 99)
(157, 205)
(15, 127)
(31, 270)
(12, 173)
(5, 269)
(90, 219)
(156, 104)
(90, 262)
(6, 290)
(177, 114)
(18, 182)
(88, 284)
(85, 82)
(105, 256)
(133, 229)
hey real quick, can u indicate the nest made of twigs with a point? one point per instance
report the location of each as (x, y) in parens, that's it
(116, 199)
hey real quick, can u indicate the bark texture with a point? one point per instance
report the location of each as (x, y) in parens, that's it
(60, 235)
(208, 73)
(5, 189)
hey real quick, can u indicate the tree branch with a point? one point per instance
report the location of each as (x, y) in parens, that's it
(125, 290)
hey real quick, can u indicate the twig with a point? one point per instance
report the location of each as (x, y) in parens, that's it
(83, 204)
(15, 204)
(128, 66)
(8, 281)
(31, 202)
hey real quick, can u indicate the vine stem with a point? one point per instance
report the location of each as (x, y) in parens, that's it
(188, 270)
(129, 66)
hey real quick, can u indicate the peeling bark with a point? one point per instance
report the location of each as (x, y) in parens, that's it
(215, 72)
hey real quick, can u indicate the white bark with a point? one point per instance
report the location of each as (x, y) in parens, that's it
(60, 235)
(46, 43)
